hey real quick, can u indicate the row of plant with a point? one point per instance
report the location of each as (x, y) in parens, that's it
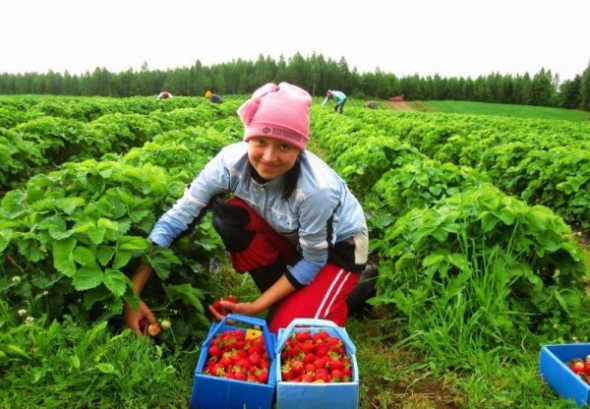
(41, 143)
(69, 241)
(460, 260)
(22, 108)
(540, 161)
(85, 225)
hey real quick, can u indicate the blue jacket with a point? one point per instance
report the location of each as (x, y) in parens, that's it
(321, 211)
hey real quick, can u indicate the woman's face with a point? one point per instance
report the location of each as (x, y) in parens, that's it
(271, 157)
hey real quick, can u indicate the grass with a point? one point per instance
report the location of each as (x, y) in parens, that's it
(477, 108)
(520, 111)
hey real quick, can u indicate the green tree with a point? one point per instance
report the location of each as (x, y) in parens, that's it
(265, 71)
(570, 93)
(542, 91)
(585, 89)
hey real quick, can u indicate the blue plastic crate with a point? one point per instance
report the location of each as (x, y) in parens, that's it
(562, 379)
(296, 395)
(211, 392)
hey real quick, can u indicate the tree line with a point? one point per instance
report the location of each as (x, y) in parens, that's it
(314, 73)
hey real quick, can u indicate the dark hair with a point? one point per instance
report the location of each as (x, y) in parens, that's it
(290, 178)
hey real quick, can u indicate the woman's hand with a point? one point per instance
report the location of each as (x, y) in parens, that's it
(132, 317)
(242, 308)
(274, 294)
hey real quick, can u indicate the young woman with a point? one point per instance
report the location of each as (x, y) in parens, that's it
(290, 221)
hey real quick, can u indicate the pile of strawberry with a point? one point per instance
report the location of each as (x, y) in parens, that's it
(319, 358)
(581, 367)
(231, 355)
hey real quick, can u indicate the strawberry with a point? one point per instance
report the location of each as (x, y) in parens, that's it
(154, 329)
(254, 359)
(143, 325)
(214, 350)
(577, 366)
(335, 364)
(262, 377)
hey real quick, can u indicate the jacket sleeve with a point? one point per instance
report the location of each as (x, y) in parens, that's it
(317, 221)
(190, 208)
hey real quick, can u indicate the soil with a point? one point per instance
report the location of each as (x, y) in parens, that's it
(399, 105)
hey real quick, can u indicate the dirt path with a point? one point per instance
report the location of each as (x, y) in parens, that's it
(399, 105)
(419, 106)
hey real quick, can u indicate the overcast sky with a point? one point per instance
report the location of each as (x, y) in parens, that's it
(452, 38)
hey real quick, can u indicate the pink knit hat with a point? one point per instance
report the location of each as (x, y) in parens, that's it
(279, 112)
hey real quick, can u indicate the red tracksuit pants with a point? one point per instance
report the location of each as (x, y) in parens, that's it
(324, 298)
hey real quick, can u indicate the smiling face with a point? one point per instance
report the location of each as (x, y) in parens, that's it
(271, 157)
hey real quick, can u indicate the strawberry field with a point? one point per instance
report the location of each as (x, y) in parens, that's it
(477, 225)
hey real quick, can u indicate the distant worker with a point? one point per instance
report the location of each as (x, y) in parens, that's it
(164, 95)
(216, 99)
(371, 105)
(339, 98)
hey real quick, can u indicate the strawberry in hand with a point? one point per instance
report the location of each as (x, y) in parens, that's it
(220, 309)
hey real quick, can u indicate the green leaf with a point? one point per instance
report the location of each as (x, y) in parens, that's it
(97, 294)
(489, 201)
(162, 261)
(186, 293)
(56, 227)
(507, 216)
(84, 257)
(161, 265)
(96, 234)
(122, 258)
(116, 281)
(132, 243)
(5, 236)
(75, 361)
(30, 249)
(488, 221)
(13, 204)
(87, 278)
(104, 254)
(84, 227)
(108, 369)
(459, 261)
(112, 207)
(107, 224)
(138, 215)
(433, 259)
(63, 257)
(68, 205)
